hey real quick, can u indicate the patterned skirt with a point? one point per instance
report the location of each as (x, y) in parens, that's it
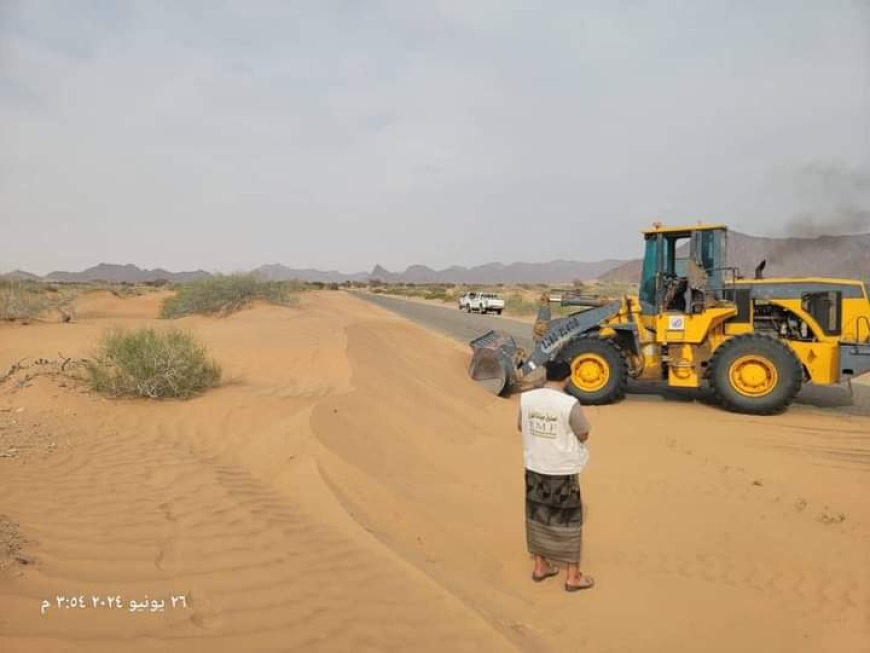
(554, 516)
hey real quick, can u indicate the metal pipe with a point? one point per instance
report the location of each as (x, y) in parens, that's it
(592, 302)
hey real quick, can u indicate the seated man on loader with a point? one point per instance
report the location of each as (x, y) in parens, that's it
(697, 291)
(688, 294)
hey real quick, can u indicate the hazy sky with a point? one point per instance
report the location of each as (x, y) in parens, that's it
(337, 135)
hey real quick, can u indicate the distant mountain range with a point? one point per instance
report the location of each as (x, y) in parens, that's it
(112, 273)
(838, 256)
(552, 272)
(278, 272)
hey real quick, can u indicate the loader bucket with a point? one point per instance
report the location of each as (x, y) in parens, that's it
(494, 362)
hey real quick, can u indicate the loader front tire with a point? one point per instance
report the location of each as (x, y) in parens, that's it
(599, 373)
(755, 374)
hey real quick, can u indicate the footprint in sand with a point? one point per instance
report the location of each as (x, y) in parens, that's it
(169, 558)
(168, 512)
(206, 621)
(204, 616)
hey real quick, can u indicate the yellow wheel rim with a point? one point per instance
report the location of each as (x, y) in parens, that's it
(590, 372)
(753, 375)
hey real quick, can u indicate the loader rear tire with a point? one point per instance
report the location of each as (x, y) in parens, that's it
(599, 373)
(755, 374)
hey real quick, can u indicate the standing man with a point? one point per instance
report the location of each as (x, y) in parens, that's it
(554, 432)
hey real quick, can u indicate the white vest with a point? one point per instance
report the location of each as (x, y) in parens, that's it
(549, 445)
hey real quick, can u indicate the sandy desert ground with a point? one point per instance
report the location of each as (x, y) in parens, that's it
(350, 489)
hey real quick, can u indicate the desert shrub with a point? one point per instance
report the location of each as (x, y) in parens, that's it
(613, 289)
(400, 290)
(24, 300)
(21, 300)
(519, 304)
(225, 294)
(123, 289)
(436, 293)
(450, 295)
(151, 363)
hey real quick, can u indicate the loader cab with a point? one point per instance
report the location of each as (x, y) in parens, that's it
(682, 266)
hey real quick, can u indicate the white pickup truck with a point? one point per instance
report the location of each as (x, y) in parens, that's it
(481, 302)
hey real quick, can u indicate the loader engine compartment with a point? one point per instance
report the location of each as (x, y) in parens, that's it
(776, 321)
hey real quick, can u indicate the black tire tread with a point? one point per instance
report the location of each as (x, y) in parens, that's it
(761, 342)
(573, 348)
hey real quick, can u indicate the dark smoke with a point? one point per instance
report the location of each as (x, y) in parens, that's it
(840, 197)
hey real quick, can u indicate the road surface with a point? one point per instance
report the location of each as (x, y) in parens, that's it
(449, 320)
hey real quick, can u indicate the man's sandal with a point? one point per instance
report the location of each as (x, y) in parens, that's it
(585, 583)
(554, 571)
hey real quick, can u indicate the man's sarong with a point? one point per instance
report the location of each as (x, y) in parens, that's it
(554, 516)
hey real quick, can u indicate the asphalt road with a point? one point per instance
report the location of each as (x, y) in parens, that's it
(462, 326)
(449, 320)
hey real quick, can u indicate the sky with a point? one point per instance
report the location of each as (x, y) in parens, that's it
(343, 134)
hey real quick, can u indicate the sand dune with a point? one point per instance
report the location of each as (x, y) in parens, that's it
(351, 489)
(104, 304)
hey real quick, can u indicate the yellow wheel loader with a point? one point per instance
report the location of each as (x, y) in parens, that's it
(695, 322)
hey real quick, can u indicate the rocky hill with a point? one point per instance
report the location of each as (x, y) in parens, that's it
(114, 273)
(19, 275)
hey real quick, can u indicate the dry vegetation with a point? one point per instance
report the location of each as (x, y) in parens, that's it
(27, 301)
(24, 300)
(153, 364)
(226, 294)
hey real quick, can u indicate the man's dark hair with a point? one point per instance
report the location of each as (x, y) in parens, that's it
(558, 371)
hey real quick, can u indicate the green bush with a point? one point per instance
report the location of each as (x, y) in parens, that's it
(225, 294)
(150, 363)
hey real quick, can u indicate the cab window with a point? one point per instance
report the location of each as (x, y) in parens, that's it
(648, 275)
